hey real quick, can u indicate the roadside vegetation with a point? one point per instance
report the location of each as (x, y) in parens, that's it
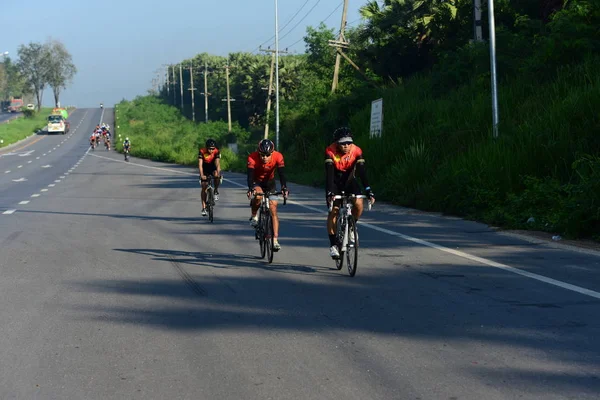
(20, 128)
(436, 152)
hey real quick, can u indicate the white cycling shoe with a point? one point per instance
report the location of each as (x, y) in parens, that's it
(254, 222)
(334, 252)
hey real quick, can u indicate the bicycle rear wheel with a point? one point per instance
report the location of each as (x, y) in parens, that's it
(352, 248)
(269, 237)
(339, 234)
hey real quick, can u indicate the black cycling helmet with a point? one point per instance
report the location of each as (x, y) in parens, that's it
(266, 146)
(211, 143)
(343, 134)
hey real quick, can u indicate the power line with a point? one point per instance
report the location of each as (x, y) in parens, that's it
(286, 24)
(303, 18)
(325, 19)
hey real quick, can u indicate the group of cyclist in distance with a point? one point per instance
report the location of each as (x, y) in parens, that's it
(344, 161)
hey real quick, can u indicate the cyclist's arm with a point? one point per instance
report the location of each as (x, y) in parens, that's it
(200, 165)
(361, 169)
(329, 175)
(250, 178)
(218, 163)
(281, 172)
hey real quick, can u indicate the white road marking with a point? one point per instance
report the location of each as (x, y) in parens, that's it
(9, 212)
(46, 166)
(462, 254)
(19, 180)
(62, 177)
(35, 195)
(6, 172)
(51, 185)
(20, 166)
(24, 202)
(57, 181)
(44, 190)
(37, 158)
(29, 162)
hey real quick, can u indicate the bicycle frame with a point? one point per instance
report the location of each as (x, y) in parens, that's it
(345, 211)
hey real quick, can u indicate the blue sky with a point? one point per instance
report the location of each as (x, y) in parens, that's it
(118, 46)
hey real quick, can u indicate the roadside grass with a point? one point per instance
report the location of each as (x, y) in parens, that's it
(22, 127)
(437, 152)
(159, 132)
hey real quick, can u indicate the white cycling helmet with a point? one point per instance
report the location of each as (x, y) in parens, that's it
(127, 139)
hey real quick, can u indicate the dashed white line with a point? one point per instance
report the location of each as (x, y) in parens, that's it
(24, 202)
(44, 190)
(9, 212)
(57, 181)
(51, 185)
(20, 166)
(35, 195)
(6, 172)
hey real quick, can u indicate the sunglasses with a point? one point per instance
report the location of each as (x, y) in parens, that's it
(264, 154)
(210, 148)
(345, 143)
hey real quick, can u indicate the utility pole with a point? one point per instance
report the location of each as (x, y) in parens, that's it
(181, 85)
(174, 97)
(168, 82)
(192, 90)
(228, 100)
(492, 23)
(270, 88)
(277, 76)
(206, 94)
(341, 43)
(478, 35)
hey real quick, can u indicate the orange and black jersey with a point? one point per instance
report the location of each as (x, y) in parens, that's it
(341, 168)
(260, 172)
(208, 157)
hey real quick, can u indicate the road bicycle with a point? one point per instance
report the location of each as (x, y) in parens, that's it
(264, 229)
(346, 232)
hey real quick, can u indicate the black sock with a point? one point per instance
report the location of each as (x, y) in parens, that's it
(332, 241)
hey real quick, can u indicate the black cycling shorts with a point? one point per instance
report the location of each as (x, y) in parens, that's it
(349, 187)
(267, 187)
(209, 169)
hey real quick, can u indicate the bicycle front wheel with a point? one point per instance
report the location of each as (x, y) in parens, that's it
(269, 237)
(339, 235)
(352, 248)
(210, 204)
(260, 234)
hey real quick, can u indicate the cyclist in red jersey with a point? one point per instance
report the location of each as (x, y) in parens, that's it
(209, 163)
(343, 160)
(261, 179)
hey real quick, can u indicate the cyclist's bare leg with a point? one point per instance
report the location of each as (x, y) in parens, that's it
(273, 208)
(216, 181)
(203, 194)
(357, 209)
(332, 220)
(256, 201)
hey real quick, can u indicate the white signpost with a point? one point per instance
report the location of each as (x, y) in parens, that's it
(376, 118)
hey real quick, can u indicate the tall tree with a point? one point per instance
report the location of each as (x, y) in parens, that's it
(34, 64)
(60, 69)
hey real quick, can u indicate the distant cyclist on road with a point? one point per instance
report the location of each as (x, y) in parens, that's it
(209, 163)
(261, 179)
(126, 147)
(343, 160)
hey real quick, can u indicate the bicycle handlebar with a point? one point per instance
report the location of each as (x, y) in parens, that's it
(255, 195)
(353, 196)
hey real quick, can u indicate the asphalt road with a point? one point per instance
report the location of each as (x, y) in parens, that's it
(6, 116)
(113, 286)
